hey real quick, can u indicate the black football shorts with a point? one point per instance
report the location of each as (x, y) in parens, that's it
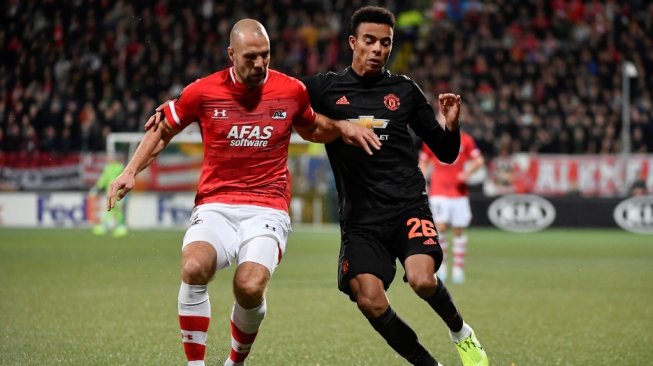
(375, 248)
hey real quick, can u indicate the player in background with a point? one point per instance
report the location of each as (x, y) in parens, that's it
(245, 113)
(384, 212)
(115, 219)
(449, 200)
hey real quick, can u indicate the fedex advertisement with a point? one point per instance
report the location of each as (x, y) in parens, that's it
(163, 210)
(78, 209)
(65, 209)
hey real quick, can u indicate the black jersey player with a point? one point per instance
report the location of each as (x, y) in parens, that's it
(384, 212)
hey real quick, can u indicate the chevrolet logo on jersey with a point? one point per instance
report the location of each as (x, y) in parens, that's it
(369, 122)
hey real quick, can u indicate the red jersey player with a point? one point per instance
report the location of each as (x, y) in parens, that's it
(449, 200)
(246, 114)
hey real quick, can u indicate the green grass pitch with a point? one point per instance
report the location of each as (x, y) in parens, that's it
(559, 297)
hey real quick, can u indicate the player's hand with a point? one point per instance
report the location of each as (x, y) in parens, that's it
(449, 109)
(356, 135)
(119, 188)
(157, 117)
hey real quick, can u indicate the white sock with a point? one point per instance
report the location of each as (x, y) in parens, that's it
(463, 333)
(442, 271)
(459, 251)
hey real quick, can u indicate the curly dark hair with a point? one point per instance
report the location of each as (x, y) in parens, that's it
(371, 14)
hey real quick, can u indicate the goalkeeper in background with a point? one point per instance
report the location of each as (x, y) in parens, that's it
(114, 219)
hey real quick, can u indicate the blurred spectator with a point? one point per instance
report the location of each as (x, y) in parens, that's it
(638, 188)
(30, 141)
(546, 73)
(13, 138)
(49, 142)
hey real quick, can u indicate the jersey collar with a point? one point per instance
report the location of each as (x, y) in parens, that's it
(241, 86)
(367, 79)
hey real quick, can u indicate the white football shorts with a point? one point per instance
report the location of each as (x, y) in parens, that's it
(454, 211)
(240, 233)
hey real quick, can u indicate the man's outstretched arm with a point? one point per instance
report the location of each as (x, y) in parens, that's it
(323, 130)
(327, 130)
(156, 139)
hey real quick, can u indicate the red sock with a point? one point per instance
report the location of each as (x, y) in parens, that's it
(241, 343)
(193, 335)
(244, 328)
(194, 319)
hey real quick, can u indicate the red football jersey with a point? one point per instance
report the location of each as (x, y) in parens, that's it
(444, 179)
(245, 135)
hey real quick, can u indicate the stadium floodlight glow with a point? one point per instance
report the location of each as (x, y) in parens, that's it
(630, 70)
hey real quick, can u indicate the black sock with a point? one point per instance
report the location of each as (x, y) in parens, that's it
(402, 338)
(442, 303)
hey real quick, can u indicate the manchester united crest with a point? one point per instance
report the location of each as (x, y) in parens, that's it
(345, 266)
(391, 102)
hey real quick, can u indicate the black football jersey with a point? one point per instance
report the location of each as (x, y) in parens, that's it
(375, 189)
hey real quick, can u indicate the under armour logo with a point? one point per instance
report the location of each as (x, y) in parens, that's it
(219, 113)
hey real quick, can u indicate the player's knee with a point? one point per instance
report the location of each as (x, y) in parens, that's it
(249, 292)
(371, 307)
(249, 286)
(196, 272)
(423, 284)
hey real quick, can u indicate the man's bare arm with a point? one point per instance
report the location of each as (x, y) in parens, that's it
(327, 130)
(156, 139)
(323, 130)
(474, 165)
(157, 117)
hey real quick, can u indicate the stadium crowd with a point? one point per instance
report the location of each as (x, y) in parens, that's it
(536, 76)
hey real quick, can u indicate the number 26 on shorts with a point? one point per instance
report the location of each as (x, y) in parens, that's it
(420, 227)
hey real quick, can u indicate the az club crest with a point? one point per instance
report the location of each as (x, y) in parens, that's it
(278, 114)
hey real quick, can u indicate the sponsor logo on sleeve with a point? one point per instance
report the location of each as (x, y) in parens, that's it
(521, 213)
